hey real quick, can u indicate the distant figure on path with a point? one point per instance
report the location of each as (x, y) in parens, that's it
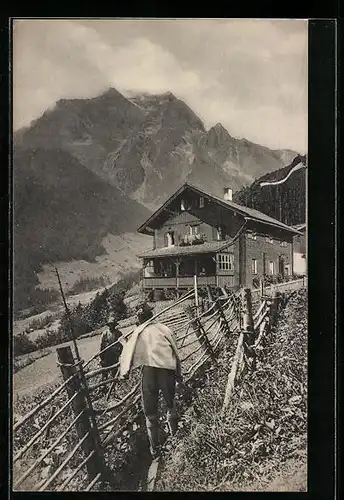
(111, 356)
(153, 346)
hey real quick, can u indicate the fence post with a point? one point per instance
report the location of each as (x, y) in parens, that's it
(275, 298)
(196, 294)
(248, 325)
(68, 368)
(220, 310)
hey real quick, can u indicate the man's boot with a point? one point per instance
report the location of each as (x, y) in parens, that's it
(153, 436)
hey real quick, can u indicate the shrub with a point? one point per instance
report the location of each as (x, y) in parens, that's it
(50, 338)
(88, 284)
(23, 345)
(126, 282)
(268, 279)
(202, 292)
(38, 324)
(198, 241)
(94, 315)
(170, 293)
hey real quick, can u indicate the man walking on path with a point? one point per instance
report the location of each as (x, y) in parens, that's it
(153, 347)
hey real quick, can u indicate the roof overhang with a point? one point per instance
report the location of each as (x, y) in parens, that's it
(181, 251)
(282, 227)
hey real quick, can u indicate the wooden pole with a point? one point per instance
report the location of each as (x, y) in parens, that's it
(79, 404)
(81, 370)
(220, 310)
(274, 306)
(247, 319)
(177, 264)
(248, 326)
(196, 293)
(236, 365)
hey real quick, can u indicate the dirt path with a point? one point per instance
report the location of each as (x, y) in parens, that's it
(44, 371)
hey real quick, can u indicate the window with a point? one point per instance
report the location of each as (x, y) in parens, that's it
(226, 261)
(201, 201)
(271, 267)
(287, 269)
(254, 266)
(219, 235)
(149, 269)
(170, 238)
(283, 243)
(182, 205)
(194, 230)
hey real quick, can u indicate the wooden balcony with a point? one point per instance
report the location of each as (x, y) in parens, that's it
(183, 282)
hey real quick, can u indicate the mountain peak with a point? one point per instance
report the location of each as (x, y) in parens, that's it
(218, 135)
(219, 130)
(219, 126)
(149, 100)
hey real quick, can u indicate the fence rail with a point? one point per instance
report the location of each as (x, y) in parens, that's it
(200, 327)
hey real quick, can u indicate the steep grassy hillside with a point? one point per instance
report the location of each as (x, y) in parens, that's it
(261, 442)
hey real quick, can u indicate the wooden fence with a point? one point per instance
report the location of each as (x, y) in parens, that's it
(62, 440)
(255, 328)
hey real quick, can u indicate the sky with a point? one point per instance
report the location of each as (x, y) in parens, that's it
(249, 75)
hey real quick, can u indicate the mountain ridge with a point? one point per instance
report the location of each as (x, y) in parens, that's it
(148, 144)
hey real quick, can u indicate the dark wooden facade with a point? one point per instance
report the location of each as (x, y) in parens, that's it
(234, 249)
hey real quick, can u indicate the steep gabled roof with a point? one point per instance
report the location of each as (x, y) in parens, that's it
(247, 213)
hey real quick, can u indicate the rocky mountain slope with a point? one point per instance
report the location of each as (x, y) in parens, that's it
(148, 145)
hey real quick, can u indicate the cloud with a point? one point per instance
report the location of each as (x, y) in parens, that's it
(248, 74)
(65, 60)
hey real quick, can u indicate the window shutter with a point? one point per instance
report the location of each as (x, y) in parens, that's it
(214, 233)
(165, 240)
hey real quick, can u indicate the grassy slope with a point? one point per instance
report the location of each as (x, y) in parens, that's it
(260, 444)
(62, 211)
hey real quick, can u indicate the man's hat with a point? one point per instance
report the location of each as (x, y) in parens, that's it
(143, 307)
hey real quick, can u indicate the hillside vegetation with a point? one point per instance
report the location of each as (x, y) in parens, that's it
(62, 212)
(260, 444)
(285, 202)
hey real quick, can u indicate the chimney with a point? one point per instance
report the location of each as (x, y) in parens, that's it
(227, 194)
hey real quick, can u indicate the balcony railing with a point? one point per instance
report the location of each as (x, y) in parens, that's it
(181, 281)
